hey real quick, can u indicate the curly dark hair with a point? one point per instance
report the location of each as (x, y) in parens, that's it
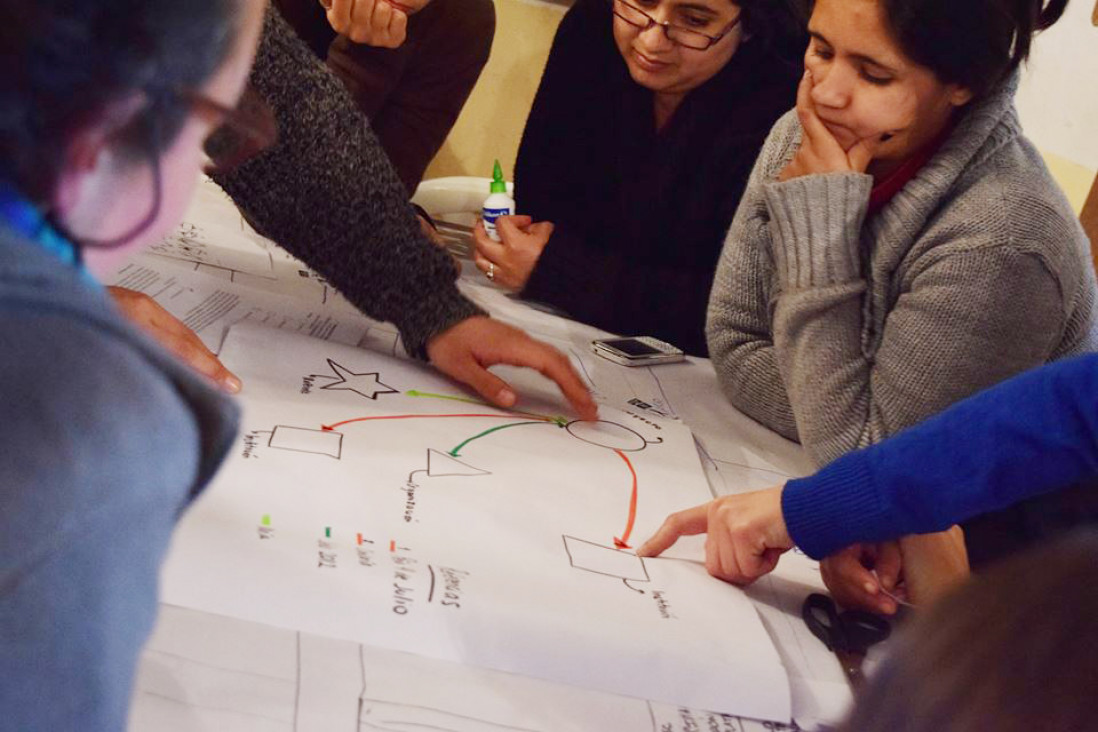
(65, 61)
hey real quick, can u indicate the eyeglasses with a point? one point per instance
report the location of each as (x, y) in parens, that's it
(686, 37)
(242, 132)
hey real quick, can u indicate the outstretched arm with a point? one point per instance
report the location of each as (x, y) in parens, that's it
(328, 194)
(1030, 435)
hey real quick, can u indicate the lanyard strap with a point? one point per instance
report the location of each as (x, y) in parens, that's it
(24, 218)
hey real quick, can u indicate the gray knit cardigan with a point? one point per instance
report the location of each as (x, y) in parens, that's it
(839, 330)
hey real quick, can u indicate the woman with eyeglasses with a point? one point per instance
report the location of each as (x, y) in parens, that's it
(104, 107)
(901, 245)
(649, 116)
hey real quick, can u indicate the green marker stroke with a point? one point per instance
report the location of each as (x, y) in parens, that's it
(455, 451)
(558, 419)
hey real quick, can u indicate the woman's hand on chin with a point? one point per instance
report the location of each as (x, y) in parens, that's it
(820, 152)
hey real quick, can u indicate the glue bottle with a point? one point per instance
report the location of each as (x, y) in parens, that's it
(497, 204)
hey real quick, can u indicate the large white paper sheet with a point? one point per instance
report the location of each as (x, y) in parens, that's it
(214, 232)
(206, 673)
(738, 455)
(355, 508)
(209, 300)
(220, 256)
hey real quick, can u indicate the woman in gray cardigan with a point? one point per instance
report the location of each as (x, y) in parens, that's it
(900, 244)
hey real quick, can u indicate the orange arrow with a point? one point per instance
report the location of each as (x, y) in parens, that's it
(330, 427)
(623, 542)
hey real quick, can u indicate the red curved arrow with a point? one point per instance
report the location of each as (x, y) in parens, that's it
(330, 427)
(623, 541)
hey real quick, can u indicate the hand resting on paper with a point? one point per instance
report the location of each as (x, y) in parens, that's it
(466, 350)
(463, 352)
(166, 329)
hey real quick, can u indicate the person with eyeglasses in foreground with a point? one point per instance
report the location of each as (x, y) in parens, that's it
(107, 438)
(1013, 445)
(901, 244)
(326, 192)
(638, 145)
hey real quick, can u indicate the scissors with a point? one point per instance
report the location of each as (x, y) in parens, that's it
(848, 635)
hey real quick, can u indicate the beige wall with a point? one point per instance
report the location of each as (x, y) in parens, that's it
(491, 124)
(1075, 178)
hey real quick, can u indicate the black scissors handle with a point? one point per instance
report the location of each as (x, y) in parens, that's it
(853, 630)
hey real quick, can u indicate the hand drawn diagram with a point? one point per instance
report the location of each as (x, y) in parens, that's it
(328, 440)
(607, 561)
(298, 439)
(201, 672)
(188, 241)
(401, 513)
(365, 384)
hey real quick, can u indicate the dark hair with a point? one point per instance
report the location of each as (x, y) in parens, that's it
(974, 43)
(65, 61)
(1011, 651)
(779, 23)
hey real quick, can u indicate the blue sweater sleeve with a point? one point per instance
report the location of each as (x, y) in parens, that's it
(1032, 434)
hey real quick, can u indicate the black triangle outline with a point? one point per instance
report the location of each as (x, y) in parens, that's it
(451, 458)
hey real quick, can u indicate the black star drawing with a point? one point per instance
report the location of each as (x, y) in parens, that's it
(367, 385)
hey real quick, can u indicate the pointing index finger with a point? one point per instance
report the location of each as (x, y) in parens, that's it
(683, 523)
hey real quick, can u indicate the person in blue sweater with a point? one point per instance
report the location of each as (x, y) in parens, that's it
(1031, 435)
(107, 439)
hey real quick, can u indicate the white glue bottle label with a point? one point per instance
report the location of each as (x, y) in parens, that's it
(498, 204)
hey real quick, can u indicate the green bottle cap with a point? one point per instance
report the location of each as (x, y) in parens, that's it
(499, 185)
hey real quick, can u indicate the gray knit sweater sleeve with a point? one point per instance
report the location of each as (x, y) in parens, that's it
(818, 330)
(738, 323)
(329, 195)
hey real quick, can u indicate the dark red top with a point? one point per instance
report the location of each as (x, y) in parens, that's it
(885, 189)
